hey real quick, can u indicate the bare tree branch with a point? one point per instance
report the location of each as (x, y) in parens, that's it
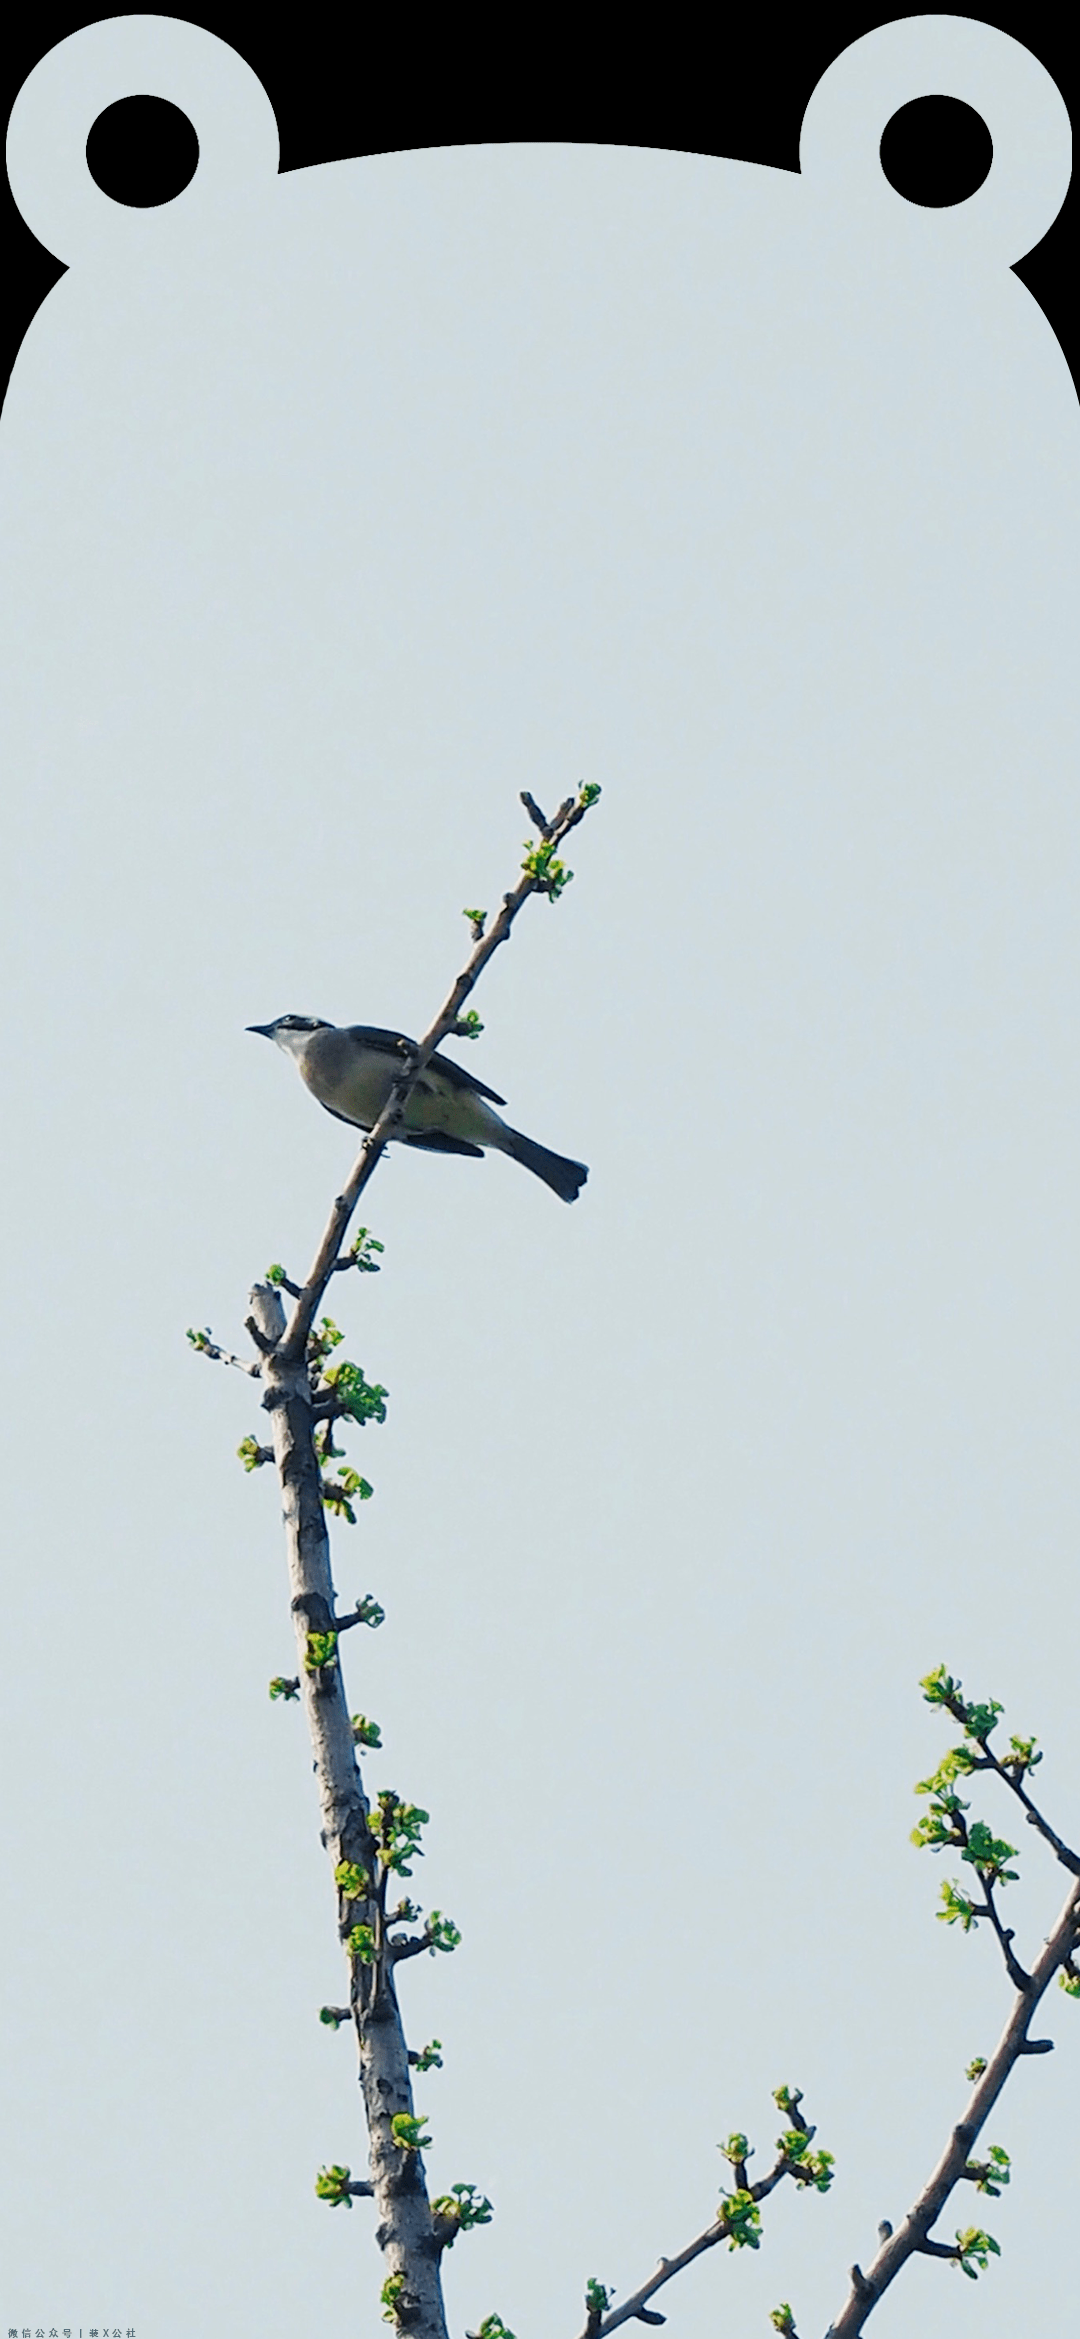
(1005, 1771)
(1005, 1938)
(397, 2176)
(598, 2327)
(205, 1346)
(945, 1825)
(538, 818)
(913, 2234)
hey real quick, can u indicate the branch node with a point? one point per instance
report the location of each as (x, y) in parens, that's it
(254, 1331)
(538, 818)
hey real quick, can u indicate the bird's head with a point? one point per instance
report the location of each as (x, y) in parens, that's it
(292, 1032)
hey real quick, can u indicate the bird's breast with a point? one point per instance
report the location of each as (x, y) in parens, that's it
(355, 1082)
(352, 1081)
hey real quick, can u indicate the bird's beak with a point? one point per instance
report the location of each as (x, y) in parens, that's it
(265, 1030)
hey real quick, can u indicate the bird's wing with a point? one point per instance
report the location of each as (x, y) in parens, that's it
(349, 1124)
(389, 1043)
(437, 1141)
(430, 1140)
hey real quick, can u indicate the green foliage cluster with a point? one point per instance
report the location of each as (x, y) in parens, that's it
(462, 2207)
(795, 2158)
(957, 1908)
(978, 1722)
(396, 1827)
(974, 2250)
(320, 1651)
(365, 1731)
(322, 1342)
(741, 2218)
(360, 1400)
(392, 2296)
(542, 864)
(427, 2058)
(441, 1933)
(281, 1687)
(407, 2130)
(332, 2185)
(353, 1882)
(354, 1399)
(807, 2168)
(946, 1823)
(341, 1492)
(360, 1251)
(991, 2174)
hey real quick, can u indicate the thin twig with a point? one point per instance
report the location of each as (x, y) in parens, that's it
(402, 1945)
(1012, 1771)
(204, 1346)
(539, 818)
(667, 2269)
(1019, 1979)
(343, 1623)
(259, 1337)
(989, 1761)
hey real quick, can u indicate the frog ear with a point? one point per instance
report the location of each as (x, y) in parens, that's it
(942, 56)
(122, 57)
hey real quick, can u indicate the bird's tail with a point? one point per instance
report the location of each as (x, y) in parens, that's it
(565, 1178)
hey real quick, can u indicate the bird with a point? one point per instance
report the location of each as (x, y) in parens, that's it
(351, 1069)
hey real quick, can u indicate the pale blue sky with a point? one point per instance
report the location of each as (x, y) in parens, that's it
(337, 509)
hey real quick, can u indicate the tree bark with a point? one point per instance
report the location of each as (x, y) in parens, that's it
(405, 2234)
